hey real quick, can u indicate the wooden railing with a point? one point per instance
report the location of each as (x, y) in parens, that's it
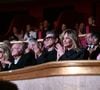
(61, 68)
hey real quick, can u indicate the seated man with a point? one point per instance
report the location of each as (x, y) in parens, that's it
(20, 59)
(93, 44)
(49, 45)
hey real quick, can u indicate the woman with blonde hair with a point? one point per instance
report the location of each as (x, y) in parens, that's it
(5, 57)
(70, 49)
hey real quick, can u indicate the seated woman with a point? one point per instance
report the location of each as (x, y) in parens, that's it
(5, 57)
(30, 33)
(36, 50)
(82, 34)
(16, 34)
(69, 48)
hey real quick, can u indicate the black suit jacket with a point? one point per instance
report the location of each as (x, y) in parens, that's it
(47, 56)
(25, 60)
(95, 53)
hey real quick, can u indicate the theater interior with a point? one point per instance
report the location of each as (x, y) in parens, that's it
(60, 75)
(59, 10)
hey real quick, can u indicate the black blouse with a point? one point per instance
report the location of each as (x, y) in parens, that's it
(75, 55)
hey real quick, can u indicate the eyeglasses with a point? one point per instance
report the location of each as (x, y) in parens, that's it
(48, 38)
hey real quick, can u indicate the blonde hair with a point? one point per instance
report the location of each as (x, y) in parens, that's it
(73, 36)
(6, 52)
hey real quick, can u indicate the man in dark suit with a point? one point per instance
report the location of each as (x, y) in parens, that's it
(49, 44)
(20, 59)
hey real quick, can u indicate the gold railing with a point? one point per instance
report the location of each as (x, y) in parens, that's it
(61, 68)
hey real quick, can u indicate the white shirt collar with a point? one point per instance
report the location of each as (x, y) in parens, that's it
(16, 60)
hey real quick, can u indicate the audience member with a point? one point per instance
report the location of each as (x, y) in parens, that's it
(82, 29)
(5, 57)
(91, 24)
(70, 49)
(46, 27)
(20, 58)
(16, 34)
(40, 31)
(30, 34)
(63, 27)
(37, 51)
(49, 45)
(93, 40)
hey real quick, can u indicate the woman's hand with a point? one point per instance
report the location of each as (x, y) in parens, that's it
(60, 50)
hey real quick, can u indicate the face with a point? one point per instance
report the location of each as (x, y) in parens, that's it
(94, 40)
(28, 27)
(45, 23)
(81, 25)
(31, 45)
(34, 47)
(89, 39)
(41, 26)
(16, 49)
(14, 30)
(67, 41)
(48, 42)
(63, 27)
(90, 20)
